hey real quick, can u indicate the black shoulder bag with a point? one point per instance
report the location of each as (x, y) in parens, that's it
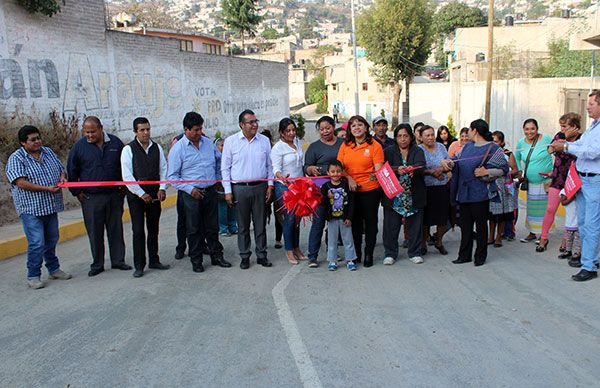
(525, 183)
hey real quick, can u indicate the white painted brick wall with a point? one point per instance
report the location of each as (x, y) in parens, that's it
(72, 64)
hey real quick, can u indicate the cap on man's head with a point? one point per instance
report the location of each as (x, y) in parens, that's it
(379, 119)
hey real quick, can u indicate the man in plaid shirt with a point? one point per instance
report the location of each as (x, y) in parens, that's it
(34, 173)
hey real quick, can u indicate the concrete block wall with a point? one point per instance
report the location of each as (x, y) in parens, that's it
(72, 64)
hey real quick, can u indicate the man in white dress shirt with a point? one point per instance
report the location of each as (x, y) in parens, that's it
(144, 160)
(246, 159)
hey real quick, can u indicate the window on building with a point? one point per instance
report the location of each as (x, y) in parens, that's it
(211, 49)
(186, 45)
(365, 86)
(334, 86)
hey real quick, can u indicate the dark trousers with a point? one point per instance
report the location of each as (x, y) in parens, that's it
(251, 206)
(202, 224)
(365, 219)
(104, 211)
(181, 234)
(413, 228)
(149, 214)
(473, 213)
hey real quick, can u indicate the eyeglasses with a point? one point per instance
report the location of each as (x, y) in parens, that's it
(252, 122)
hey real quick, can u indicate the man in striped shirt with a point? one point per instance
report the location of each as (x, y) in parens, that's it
(34, 172)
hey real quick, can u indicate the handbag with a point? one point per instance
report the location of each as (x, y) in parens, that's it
(525, 183)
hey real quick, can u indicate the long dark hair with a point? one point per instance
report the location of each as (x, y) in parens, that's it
(482, 128)
(284, 123)
(531, 121)
(408, 129)
(350, 139)
(439, 139)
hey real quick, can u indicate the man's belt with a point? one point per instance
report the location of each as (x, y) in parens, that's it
(587, 174)
(254, 183)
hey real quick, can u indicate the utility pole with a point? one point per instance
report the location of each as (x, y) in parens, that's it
(356, 101)
(490, 69)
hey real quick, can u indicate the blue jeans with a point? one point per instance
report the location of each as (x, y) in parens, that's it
(588, 218)
(42, 237)
(291, 227)
(227, 220)
(336, 228)
(315, 236)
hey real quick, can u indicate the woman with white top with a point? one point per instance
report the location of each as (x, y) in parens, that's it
(288, 159)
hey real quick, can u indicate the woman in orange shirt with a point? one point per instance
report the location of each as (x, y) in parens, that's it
(361, 156)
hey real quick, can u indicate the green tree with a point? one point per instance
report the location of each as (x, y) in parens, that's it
(300, 125)
(316, 92)
(270, 33)
(45, 7)
(305, 29)
(537, 9)
(149, 13)
(241, 16)
(564, 62)
(450, 17)
(397, 36)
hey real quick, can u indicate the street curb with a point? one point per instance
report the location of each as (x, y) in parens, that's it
(18, 245)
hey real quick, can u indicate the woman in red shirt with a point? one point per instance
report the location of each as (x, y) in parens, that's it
(361, 156)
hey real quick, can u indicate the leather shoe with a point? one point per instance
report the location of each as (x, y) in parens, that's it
(179, 255)
(479, 263)
(221, 262)
(264, 262)
(584, 275)
(245, 264)
(138, 273)
(198, 267)
(461, 261)
(159, 266)
(442, 250)
(95, 272)
(122, 267)
(368, 262)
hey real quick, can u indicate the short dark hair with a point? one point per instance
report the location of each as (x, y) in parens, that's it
(325, 119)
(244, 113)
(93, 119)
(335, 163)
(596, 94)
(424, 128)
(25, 131)
(418, 124)
(284, 123)
(531, 121)
(464, 130)
(192, 119)
(499, 135)
(138, 121)
(408, 129)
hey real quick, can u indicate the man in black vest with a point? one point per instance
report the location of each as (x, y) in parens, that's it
(144, 160)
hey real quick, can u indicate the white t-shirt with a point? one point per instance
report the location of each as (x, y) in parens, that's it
(570, 213)
(287, 160)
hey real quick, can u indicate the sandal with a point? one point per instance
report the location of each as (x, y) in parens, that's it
(541, 248)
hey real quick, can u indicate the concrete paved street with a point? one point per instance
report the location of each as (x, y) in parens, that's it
(517, 321)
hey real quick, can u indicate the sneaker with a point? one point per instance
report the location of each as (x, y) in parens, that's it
(225, 234)
(351, 266)
(510, 238)
(332, 266)
(416, 260)
(35, 283)
(60, 275)
(388, 261)
(313, 264)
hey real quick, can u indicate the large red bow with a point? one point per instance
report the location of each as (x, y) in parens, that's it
(302, 197)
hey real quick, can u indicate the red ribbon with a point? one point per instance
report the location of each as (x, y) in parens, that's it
(302, 197)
